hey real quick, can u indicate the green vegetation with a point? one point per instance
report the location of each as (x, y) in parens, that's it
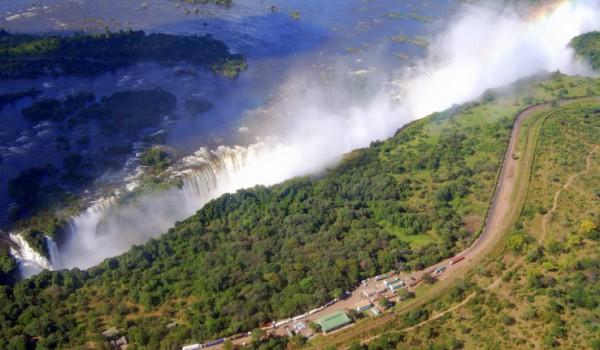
(57, 110)
(549, 296)
(34, 189)
(588, 46)
(268, 253)
(8, 265)
(31, 56)
(412, 15)
(36, 240)
(539, 290)
(418, 41)
(156, 158)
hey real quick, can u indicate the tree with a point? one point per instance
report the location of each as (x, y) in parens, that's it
(384, 302)
(587, 227)
(428, 278)
(404, 294)
(355, 346)
(315, 327)
(258, 334)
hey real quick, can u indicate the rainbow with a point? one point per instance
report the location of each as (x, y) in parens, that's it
(542, 12)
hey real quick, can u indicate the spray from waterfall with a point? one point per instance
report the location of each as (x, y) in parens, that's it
(108, 228)
(317, 121)
(53, 254)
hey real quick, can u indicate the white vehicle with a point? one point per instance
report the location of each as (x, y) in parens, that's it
(282, 322)
(192, 347)
(299, 317)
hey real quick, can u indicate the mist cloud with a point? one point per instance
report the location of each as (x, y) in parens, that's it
(487, 47)
(313, 121)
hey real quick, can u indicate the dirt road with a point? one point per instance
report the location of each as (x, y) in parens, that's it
(504, 209)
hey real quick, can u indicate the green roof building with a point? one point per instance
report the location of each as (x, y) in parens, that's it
(333, 321)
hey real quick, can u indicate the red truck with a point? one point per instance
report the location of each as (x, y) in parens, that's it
(457, 260)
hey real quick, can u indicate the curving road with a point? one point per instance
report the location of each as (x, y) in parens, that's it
(502, 205)
(502, 212)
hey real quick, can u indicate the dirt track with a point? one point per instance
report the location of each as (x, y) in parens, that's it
(500, 215)
(501, 205)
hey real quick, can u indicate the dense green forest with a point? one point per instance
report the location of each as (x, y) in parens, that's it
(588, 47)
(541, 290)
(265, 253)
(31, 56)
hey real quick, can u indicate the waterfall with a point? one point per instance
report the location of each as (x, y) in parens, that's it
(53, 254)
(30, 261)
(108, 228)
(319, 122)
(83, 226)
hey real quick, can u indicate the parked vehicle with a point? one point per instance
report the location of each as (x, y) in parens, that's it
(457, 260)
(213, 343)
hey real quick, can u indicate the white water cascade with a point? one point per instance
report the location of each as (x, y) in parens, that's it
(53, 254)
(108, 228)
(29, 260)
(318, 122)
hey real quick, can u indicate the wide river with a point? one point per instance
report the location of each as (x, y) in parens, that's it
(323, 78)
(349, 33)
(314, 68)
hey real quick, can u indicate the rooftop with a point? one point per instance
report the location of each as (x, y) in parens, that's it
(333, 321)
(362, 303)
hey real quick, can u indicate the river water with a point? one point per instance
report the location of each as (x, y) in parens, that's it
(343, 74)
(326, 33)
(329, 41)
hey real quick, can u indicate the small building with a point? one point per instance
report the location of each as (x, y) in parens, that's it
(375, 311)
(120, 343)
(369, 292)
(391, 281)
(395, 286)
(381, 290)
(333, 321)
(363, 305)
